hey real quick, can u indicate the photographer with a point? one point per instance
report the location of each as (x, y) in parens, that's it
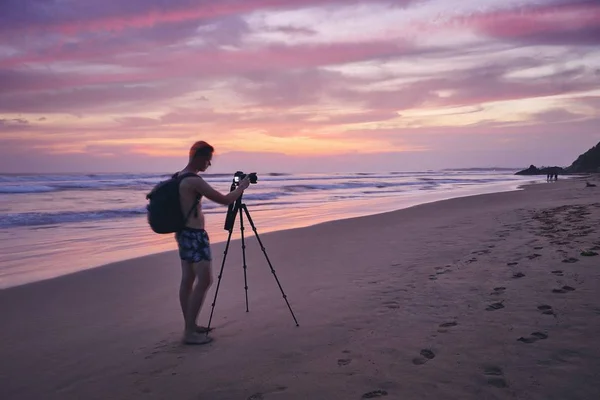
(193, 241)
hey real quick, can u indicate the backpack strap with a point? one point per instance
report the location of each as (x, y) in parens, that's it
(194, 208)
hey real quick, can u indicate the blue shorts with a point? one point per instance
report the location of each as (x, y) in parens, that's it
(194, 245)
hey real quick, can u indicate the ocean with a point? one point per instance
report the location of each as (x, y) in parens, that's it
(56, 224)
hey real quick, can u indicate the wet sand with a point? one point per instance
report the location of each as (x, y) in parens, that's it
(485, 297)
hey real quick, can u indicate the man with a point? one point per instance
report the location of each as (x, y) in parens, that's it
(193, 242)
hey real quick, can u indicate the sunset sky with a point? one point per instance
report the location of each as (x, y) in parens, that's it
(297, 85)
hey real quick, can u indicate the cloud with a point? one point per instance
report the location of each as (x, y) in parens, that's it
(13, 125)
(559, 115)
(163, 76)
(74, 16)
(107, 98)
(573, 23)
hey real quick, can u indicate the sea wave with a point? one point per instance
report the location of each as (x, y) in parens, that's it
(25, 184)
(73, 198)
(38, 219)
(11, 220)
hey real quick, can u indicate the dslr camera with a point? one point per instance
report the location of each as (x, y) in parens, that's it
(239, 175)
(233, 207)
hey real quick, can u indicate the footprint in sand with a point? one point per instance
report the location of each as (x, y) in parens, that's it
(439, 270)
(261, 396)
(570, 260)
(533, 256)
(564, 289)
(426, 355)
(445, 325)
(510, 264)
(374, 394)
(538, 248)
(342, 362)
(498, 291)
(391, 305)
(495, 376)
(558, 273)
(546, 309)
(517, 275)
(589, 253)
(494, 306)
(432, 278)
(448, 324)
(535, 336)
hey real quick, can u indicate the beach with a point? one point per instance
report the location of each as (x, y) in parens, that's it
(493, 296)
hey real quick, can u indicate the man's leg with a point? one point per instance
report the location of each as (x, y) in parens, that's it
(203, 274)
(188, 276)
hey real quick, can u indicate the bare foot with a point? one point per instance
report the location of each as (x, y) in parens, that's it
(195, 338)
(203, 329)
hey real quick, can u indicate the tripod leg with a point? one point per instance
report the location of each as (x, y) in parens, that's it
(269, 261)
(219, 281)
(244, 256)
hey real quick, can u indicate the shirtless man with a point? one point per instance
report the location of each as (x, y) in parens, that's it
(193, 242)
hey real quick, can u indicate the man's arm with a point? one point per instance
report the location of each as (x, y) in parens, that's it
(203, 188)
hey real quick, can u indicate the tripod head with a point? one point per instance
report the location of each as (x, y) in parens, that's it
(234, 208)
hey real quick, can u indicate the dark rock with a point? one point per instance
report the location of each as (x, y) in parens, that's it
(588, 162)
(533, 170)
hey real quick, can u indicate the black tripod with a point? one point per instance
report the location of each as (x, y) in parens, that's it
(229, 222)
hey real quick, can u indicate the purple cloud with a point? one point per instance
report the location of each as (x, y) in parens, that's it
(74, 15)
(572, 23)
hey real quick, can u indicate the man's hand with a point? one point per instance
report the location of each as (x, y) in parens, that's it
(244, 183)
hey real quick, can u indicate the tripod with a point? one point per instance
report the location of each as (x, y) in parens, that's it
(229, 222)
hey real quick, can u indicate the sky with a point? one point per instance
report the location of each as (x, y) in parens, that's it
(297, 85)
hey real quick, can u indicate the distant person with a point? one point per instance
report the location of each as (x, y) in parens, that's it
(552, 174)
(193, 241)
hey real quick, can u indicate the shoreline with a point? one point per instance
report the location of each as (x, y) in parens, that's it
(222, 237)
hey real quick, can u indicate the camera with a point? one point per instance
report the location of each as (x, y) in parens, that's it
(239, 175)
(233, 208)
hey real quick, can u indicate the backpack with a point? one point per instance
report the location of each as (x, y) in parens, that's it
(164, 207)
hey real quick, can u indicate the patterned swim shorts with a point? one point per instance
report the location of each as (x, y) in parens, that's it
(194, 245)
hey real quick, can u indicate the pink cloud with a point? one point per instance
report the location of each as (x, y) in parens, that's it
(277, 57)
(167, 72)
(74, 16)
(279, 89)
(92, 99)
(575, 23)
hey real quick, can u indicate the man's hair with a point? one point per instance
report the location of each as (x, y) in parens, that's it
(201, 149)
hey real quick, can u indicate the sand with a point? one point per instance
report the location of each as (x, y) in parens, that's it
(483, 297)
